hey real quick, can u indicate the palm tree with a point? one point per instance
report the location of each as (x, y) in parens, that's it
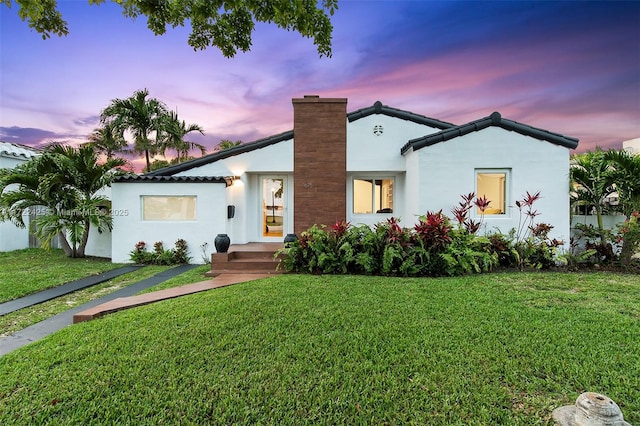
(107, 140)
(592, 178)
(173, 137)
(141, 116)
(626, 175)
(228, 144)
(63, 184)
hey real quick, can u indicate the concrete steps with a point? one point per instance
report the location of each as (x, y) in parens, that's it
(252, 258)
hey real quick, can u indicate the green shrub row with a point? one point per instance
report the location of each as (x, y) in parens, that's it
(160, 256)
(435, 246)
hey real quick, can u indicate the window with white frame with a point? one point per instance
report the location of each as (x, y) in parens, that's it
(169, 208)
(372, 195)
(493, 184)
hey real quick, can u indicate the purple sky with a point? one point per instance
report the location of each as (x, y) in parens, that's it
(568, 67)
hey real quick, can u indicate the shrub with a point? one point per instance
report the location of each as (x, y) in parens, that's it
(590, 238)
(629, 238)
(433, 247)
(502, 247)
(181, 253)
(468, 254)
(160, 256)
(538, 250)
(534, 247)
(139, 255)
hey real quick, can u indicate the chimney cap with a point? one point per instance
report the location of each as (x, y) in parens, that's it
(312, 99)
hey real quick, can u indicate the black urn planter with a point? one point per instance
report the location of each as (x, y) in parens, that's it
(222, 242)
(289, 238)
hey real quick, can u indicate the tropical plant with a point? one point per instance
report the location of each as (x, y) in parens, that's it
(526, 216)
(629, 236)
(503, 246)
(158, 164)
(140, 115)
(63, 186)
(107, 140)
(226, 25)
(389, 249)
(461, 213)
(593, 180)
(160, 256)
(227, 144)
(466, 254)
(173, 136)
(626, 177)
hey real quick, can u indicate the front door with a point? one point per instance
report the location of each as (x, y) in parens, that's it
(273, 205)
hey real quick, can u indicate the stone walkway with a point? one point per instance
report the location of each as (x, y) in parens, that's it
(170, 293)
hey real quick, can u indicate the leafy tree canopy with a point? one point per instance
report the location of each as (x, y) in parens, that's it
(225, 24)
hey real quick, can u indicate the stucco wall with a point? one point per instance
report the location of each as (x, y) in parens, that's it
(12, 237)
(378, 155)
(276, 159)
(129, 228)
(367, 151)
(447, 170)
(10, 162)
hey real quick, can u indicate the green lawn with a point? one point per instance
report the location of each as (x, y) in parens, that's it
(479, 350)
(23, 272)
(23, 318)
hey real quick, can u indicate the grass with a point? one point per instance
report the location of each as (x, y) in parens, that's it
(23, 318)
(488, 349)
(27, 271)
(193, 276)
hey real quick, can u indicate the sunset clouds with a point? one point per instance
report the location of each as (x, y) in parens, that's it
(569, 67)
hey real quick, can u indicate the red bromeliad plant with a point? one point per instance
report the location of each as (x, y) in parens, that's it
(434, 229)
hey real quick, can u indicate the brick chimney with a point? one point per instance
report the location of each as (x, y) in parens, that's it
(319, 161)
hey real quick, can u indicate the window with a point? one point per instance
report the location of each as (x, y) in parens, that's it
(372, 196)
(168, 208)
(492, 184)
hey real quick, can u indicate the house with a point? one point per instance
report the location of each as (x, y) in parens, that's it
(11, 236)
(632, 146)
(363, 166)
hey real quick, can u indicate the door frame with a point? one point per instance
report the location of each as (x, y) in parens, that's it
(287, 211)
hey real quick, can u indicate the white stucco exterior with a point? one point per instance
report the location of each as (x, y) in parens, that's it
(381, 145)
(447, 170)
(11, 236)
(632, 146)
(129, 226)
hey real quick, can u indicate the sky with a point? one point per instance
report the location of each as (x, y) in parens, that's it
(567, 67)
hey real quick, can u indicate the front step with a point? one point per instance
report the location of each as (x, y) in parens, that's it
(246, 259)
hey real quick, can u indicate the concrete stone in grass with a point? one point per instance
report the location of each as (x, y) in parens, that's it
(590, 409)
